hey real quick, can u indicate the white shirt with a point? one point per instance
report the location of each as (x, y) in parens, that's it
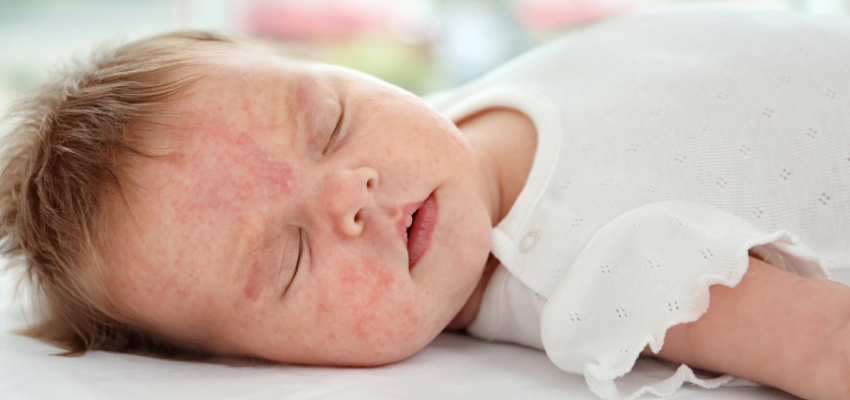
(669, 145)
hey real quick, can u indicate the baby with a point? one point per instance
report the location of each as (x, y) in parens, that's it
(191, 191)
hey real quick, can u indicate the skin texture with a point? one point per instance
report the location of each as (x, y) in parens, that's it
(251, 183)
(773, 328)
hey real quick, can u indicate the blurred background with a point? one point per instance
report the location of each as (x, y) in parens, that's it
(421, 45)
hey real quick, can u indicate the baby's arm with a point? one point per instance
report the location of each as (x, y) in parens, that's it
(773, 328)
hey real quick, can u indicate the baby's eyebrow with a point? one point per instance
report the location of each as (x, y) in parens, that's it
(257, 258)
(253, 285)
(265, 264)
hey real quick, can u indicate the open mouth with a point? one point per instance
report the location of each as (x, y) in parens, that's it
(410, 225)
(421, 229)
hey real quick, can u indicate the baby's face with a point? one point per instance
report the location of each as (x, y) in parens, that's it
(276, 226)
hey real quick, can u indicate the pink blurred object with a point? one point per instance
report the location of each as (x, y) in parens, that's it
(287, 19)
(548, 14)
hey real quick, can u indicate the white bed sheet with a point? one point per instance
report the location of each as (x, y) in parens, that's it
(452, 367)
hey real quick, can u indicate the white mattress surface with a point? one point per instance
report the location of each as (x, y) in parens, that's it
(454, 366)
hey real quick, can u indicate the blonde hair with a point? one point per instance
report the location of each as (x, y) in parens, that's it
(62, 170)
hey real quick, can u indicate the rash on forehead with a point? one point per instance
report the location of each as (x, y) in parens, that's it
(226, 173)
(235, 178)
(205, 204)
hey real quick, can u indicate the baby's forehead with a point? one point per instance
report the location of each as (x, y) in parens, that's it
(222, 155)
(254, 73)
(195, 215)
(256, 93)
(195, 207)
(223, 149)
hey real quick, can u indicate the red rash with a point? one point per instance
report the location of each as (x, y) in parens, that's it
(220, 185)
(238, 179)
(302, 97)
(367, 302)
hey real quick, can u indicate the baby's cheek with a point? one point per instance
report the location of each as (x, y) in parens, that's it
(369, 310)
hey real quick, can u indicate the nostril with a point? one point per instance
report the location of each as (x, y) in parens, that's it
(357, 217)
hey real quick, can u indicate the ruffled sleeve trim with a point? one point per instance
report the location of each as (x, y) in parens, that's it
(646, 271)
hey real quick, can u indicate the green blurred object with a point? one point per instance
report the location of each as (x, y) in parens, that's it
(402, 64)
(427, 46)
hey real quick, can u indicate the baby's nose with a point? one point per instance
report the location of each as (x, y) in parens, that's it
(348, 193)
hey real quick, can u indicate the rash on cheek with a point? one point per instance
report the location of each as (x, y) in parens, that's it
(367, 306)
(369, 287)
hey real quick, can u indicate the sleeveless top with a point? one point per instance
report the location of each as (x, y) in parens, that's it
(670, 144)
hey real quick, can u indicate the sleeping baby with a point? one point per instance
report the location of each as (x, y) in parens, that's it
(670, 184)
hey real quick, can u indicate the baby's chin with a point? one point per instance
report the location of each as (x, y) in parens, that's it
(383, 359)
(387, 353)
(357, 352)
(354, 357)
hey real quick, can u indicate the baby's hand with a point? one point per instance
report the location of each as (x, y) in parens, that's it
(774, 328)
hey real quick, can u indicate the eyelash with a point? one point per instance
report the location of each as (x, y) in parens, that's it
(335, 132)
(298, 260)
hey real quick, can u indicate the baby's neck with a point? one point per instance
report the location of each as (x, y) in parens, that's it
(505, 141)
(469, 311)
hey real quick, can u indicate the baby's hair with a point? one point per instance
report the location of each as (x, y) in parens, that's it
(64, 164)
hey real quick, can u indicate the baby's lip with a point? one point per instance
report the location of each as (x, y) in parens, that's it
(427, 216)
(405, 219)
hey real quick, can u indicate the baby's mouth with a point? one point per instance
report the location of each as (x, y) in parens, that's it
(421, 229)
(410, 225)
